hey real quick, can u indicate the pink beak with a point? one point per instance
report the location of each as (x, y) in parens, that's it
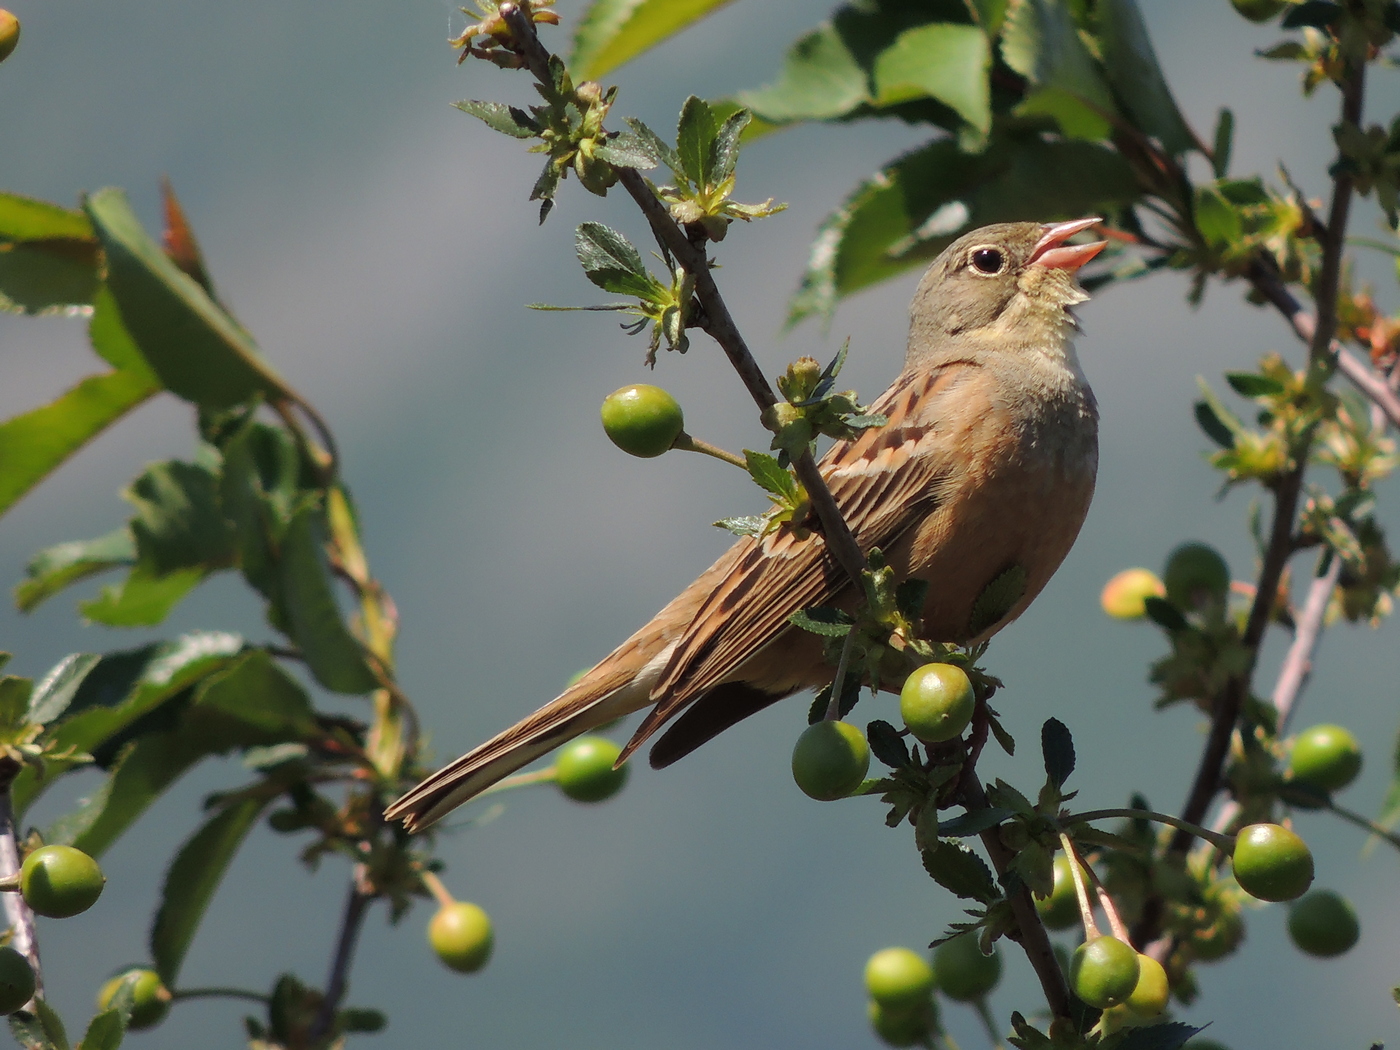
(1051, 251)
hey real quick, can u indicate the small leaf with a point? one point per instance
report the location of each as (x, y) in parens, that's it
(1057, 748)
(192, 879)
(750, 525)
(56, 689)
(1316, 13)
(1164, 614)
(909, 598)
(500, 117)
(1224, 142)
(1170, 1036)
(886, 744)
(1003, 738)
(695, 140)
(105, 1031)
(1248, 384)
(15, 693)
(975, 822)
(180, 244)
(770, 475)
(997, 600)
(960, 871)
(612, 32)
(59, 566)
(612, 263)
(359, 1019)
(144, 599)
(829, 623)
(628, 151)
(724, 150)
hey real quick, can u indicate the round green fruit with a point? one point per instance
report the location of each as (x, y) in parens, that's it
(1060, 910)
(1322, 923)
(1150, 994)
(60, 881)
(1195, 574)
(937, 702)
(150, 999)
(901, 1027)
(1224, 934)
(830, 760)
(962, 972)
(1104, 972)
(642, 420)
(585, 772)
(898, 978)
(1272, 863)
(1326, 757)
(1259, 10)
(1125, 596)
(461, 935)
(9, 34)
(16, 980)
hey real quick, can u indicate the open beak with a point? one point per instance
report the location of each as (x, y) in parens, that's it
(1051, 250)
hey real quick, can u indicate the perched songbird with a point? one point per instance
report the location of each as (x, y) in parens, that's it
(984, 472)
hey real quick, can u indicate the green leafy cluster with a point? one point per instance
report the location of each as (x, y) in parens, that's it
(812, 407)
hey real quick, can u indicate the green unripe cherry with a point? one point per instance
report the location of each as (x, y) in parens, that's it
(584, 771)
(9, 35)
(830, 760)
(60, 881)
(1125, 596)
(16, 980)
(1272, 863)
(1222, 937)
(937, 702)
(1150, 994)
(642, 420)
(150, 999)
(898, 978)
(1060, 910)
(1195, 573)
(461, 935)
(1104, 972)
(1326, 757)
(962, 972)
(901, 1027)
(1322, 923)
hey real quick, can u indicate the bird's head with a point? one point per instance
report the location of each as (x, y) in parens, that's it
(1010, 284)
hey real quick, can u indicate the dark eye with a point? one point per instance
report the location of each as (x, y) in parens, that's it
(988, 260)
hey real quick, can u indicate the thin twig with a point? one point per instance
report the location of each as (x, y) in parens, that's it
(1297, 665)
(219, 993)
(357, 903)
(838, 684)
(20, 919)
(1365, 823)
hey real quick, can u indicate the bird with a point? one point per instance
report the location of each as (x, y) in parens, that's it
(984, 471)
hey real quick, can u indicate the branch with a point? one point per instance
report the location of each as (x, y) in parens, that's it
(17, 914)
(356, 905)
(1297, 665)
(1035, 942)
(718, 323)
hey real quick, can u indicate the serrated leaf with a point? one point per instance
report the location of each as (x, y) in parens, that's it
(1004, 739)
(332, 653)
(850, 695)
(105, 1031)
(55, 691)
(59, 566)
(612, 263)
(1248, 384)
(820, 79)
(960, 871)
(997, 600)
(886, 744)
(199, 352)
(612, 32)
(193, 878)
(42, 1030)
(508, 120)
(1041, 42)
(770, 475)
(724, 150)
(179, 523)
(1057, 748)
(829, 623)
(1003, 794)
(1224, 143)
(749, 525)
(1164, 614)
(1170, 1036)
(947, 62)
(628, 151)
(1131, 65)
(695, 140)
(975, 822)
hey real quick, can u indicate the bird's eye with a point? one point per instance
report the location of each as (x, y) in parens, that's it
(988, 261)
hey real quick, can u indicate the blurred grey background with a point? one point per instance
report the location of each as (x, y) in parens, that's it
(380, 246)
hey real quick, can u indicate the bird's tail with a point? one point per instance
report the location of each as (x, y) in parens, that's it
(580, 708)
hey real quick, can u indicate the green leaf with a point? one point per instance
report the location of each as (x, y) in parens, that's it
(1249, 384)
(251, 703)
(27, 219)
(509, 120)
(960, 871)
(829, 623)
(34, 444)
(612, 32)
(1041, 42)
(974, 823)
(625, 150)
(42, 1030)
(104, 1032)
(55, 691)
(256, 492)
(886, 744)
(1217, 219)
(192, 879)
(916, 206)
(47, 277)
(724, 150)
(1170, 1036)
(1224, 140)
(1164, 614)
(179, 523)
(143, 599)
(770, 475)
(1132, 69)
(989, 14)
(333, 654)
(613, 264)
(64, 564)
(997, 600)
(947, 62)
(695, 136)
(111, 340)
(820, 79)
(199, 352)
(1057, 749)
(359, 1019)
(15, 693)
(1220, 424)
(748, 525)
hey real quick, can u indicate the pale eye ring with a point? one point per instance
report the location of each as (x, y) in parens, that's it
(988, 261)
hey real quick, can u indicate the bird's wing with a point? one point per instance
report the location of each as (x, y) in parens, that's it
(885, 480)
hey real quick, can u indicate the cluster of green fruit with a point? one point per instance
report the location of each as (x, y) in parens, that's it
(901, 984)
(460, 933)
(832, 757)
